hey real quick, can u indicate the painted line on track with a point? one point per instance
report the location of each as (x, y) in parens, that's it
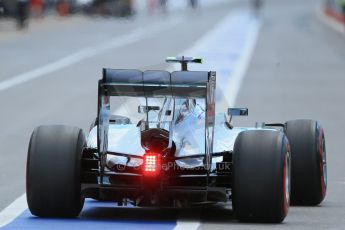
(186, 221)
(97, 215)
(226, 49)
(12, 211)
(88, 52)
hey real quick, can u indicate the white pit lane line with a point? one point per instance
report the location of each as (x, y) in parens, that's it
(12, 211)
(226, 49)
(88, 52)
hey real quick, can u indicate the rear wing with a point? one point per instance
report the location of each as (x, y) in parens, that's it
(136, 83)
(151, 83)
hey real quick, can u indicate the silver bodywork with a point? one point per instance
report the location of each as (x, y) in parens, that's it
(184, 105)
(188, 135)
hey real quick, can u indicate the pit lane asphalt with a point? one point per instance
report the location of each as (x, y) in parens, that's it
(69, 96)
(297, 71)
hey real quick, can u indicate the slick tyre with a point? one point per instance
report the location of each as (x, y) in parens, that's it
(53, 186)
(261, 176)
(308, 160)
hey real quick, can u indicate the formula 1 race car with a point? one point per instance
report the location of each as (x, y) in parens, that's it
(163, 145)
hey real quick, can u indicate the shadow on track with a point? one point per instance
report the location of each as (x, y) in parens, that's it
(109, 212)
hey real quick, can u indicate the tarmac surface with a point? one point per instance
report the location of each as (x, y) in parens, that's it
(297, 71)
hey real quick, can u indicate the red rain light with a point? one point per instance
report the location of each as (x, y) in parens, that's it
(151, 164)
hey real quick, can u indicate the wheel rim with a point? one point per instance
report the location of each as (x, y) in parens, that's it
(287, 181)
(323, 163)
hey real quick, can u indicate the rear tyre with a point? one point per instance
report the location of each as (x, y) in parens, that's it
(261, 176)
(309, 165)
(53, 186)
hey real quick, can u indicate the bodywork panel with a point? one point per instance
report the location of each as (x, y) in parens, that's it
(188, 137)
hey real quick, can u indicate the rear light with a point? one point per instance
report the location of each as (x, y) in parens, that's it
(151, 164)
